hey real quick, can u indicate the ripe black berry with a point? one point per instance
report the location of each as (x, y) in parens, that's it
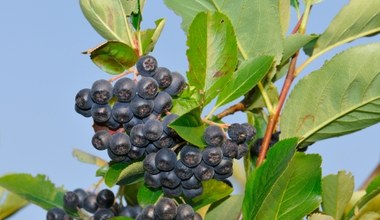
(165, 141)
(100, 113)
(175, 192)
(120, 144)
(103, 214)
(191, 193)
(121, 112)
(177, 85)
(130, 211)
(101, 140)
(165, 123)
(141, 107)
(169, 179)
(70, 201)
(89, 203)
(224, 167)
(137, 136)
(136, 153)
(185, 212)
(213, 136)
(113, 124)
(162, 103)
(212, 155)
(105, 198)
(124, 89)
(191, 183)
(203, 171)
(242, 150)
(129, 125)
(55, 214)
(190, 156)
(101, 91)
(146, 65)
(250, 131)
(147, 213)
(83, 99)
(152, 129)
(114, 157)
(183, 172)
(163, 76)
(81, 196)
(197, 216)
(152, 180)
(230, 149)
(165, 159)
(85, 113)
(147, 88)
(151, 148)
(149, 164)
(165, 209)
(237, 133)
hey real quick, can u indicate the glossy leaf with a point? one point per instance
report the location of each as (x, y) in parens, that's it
(109, 18)
(147, 196)
(286, 186)
(122, 173)
(10, 203)
(256, 22)
(113, 57)
(355, 20)
(150, 37)
(248, 75)
(337, 191)
(212, 53)
(255, 100)
(228, 208)
(342, 97)
(38, 190)
(190, 127)
(374, 184)
(295, 42)
(284, 9)
(370, 202)
(88, 158)
(189, 99)
(213, 191)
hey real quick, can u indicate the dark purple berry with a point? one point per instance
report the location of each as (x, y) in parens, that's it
(147, 88)
(55, 214)
(101, 91)
(185, 212)
(190, 156)
(81, 196)
(105, 198)
(165, 159)
(165, 209)
(134, 121)
(237, 133)
(85, 113)
(124, 89)
(114, 157)
(141, 107)
(120, 144)
(165, 141)
(137, 136)
(152, 129)
(121, 112)
(170, 179)
(113, 124)
(242, 150)
(103, 214)
(224, 167)
(162, 103)
(83, 99)
(70, 201)
(89, 203)
(176, 192)
(152, 180)
(230, 149)
(197, 216)
(183, 172)
(163, 76)
(130, 211)
(177, 85)
(100, 113)
(151, 148)
(146, 65)
(191, 193)
(136, 153)
(250, 131)
(149, 164)
(212, 155)
(101, 140)
(165, 123)
(191, 183)
(203, 171)
(221, 177)
(213, 136)
(147, 213)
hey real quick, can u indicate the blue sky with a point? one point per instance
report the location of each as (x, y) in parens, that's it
(42, 69)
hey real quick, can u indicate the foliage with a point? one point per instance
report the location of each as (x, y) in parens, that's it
(238, 49)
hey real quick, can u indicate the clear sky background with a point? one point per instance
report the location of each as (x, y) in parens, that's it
(42, 69)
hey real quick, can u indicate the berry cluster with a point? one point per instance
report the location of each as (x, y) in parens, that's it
(185, 175)
(101, 206)
(131, 110)
(167, 209)
(256, 146)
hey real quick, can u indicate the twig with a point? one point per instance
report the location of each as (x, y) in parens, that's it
(374, 173)
(231, 110)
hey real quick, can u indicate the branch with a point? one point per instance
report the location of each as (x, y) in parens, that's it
(231, 110)
(375, 173)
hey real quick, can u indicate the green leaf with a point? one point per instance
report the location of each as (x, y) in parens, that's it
(10, 203)
(150, 37)
(102, 171)
(355, 20)
(248, 75)
(295, 42)
(228, 208)
(337, 191)
(256, 22)
(130, 192)
(254, 99)
(286, 186)
(190, 127)
(284, 8)
(147, 196)
(213, 191)
(212, 53)
(319, 216)
(88, 158)
(123, 173)
(308, 49)
(109, 18)
(189, 99)
(373, 185)
(342, 97)
(113, 57)
(38, 190)
(367, 203)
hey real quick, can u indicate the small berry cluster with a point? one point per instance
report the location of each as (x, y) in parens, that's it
(167, 209)
(101, 206)
(185, 176)
(256, 146)
(134, 107)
